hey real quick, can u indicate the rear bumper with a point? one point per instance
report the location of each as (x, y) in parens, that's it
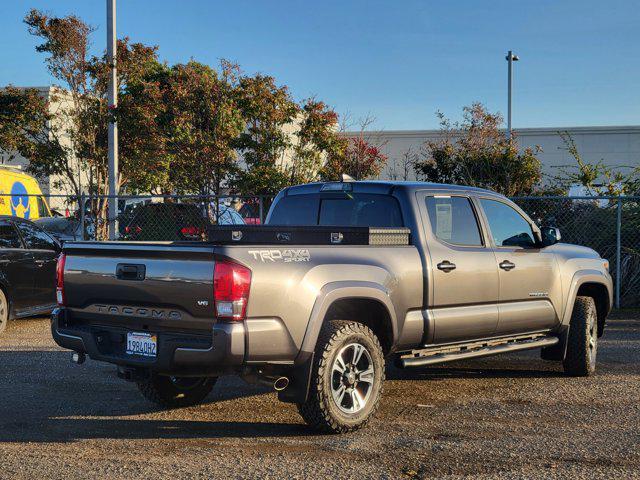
(177, 353)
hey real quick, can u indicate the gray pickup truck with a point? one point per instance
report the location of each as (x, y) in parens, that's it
(343, 277)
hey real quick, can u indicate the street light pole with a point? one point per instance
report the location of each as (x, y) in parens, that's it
(113, 126)
(510, 59)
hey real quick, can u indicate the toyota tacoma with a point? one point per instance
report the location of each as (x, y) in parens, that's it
(342, 278)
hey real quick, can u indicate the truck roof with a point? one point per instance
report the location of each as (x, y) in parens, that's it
(385, 187)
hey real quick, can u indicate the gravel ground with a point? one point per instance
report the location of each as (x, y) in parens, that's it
(511, 416)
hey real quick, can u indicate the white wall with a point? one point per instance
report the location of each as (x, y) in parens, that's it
(617, 146)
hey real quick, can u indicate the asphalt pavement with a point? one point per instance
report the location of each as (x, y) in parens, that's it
(510, 416)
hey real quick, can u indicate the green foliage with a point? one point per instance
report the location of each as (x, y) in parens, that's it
(476, 152)
(201, 123)
(318, 141)
(357, 158)
(597, 178)
(24, 116)
(181, 128)
(267, 110)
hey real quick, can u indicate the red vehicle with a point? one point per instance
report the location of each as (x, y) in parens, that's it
(250, 211)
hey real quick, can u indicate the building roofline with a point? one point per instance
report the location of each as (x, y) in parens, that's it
(607, 129)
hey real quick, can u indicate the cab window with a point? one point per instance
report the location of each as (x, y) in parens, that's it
(36, 238)
(453, 220)
(508, 227)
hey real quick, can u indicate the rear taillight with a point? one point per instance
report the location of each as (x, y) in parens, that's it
(132, 229)
(231, 283)
(60, 279)
(191, 231)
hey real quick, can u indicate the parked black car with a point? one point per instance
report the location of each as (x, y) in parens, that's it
(63, 229)
(175, 222)
(28, 258)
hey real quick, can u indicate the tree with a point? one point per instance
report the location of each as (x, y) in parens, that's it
(318, 140)
(476, 153)
(268, 112)
(400, 170)
(597, 178)
(24, 129)
(357, 156)
(81, 117)
(201, 124)
(141, 142)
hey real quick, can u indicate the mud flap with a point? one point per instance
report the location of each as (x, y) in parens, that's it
(558, 351)
(299, 379)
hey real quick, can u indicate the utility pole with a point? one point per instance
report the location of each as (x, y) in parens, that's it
(510, 58)
(113, 126)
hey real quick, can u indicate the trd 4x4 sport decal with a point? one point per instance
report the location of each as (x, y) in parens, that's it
(286, 256)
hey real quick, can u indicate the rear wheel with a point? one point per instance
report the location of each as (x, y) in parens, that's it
(175, 392)
(4, 312)
(582, 344)
(347, 377)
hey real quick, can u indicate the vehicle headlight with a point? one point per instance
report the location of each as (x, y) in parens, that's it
(605, 264)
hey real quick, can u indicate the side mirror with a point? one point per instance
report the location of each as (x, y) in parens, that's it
(550, 235)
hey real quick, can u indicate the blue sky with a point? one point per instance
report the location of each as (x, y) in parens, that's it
(399, 61)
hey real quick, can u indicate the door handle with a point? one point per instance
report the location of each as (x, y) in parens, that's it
(446, 266)
(130, 272)
(507, 265)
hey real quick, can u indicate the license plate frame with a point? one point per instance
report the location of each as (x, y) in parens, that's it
(142, 344)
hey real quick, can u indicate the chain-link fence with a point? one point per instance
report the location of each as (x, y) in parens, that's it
(170, 217)
(609, 225)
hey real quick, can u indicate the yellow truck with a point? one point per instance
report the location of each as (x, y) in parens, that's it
(20, 195)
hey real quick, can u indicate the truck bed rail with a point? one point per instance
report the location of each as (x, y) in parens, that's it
(308, 235)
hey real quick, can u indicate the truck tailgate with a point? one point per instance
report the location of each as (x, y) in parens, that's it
(146, 286)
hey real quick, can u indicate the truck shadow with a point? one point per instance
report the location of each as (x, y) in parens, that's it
(44, 398)
(521, 365)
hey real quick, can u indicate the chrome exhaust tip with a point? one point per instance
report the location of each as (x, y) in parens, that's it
(280, 384)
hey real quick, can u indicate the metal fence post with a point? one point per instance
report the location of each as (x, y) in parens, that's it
(261, 203)
(618, 251)
(83, 227)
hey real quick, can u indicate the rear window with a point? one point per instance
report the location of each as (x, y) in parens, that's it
(357, 209)
(295, 210)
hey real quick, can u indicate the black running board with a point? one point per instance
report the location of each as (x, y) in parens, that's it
(451, 353)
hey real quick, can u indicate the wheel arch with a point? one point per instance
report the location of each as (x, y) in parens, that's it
(589, 283)
(364, 302)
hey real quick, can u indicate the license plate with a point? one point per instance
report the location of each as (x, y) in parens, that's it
(143, 344)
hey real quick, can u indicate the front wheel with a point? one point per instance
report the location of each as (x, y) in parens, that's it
(176, 392)
(582, 344)
(346, 378)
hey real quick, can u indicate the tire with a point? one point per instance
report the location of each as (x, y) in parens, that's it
(582, 342)
(340, 402)
(176, 392)
(4, 312)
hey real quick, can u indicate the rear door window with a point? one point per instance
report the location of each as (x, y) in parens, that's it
(453, 220)
(36, 238)
(9, 237)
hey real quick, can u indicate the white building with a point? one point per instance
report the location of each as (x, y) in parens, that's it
(617, 146)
